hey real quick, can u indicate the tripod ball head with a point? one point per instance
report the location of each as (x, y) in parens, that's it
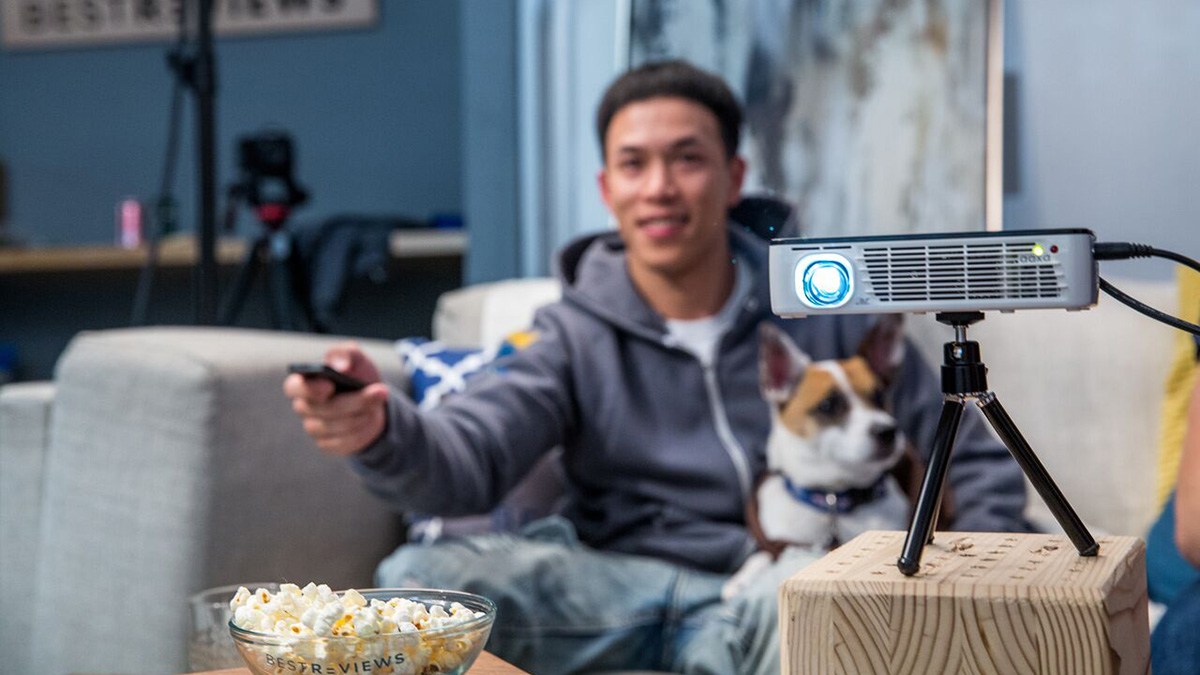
(962, 371)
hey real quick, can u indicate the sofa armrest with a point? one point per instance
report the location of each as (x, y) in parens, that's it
(177, 464)
(24, 439)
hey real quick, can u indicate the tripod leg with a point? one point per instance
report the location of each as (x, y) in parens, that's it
(1033, 468)
(301, 290)
(279, 281)
(241, 286)
(270, 307)
(930, 496)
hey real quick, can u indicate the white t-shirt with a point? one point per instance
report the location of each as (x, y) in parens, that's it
(701, 336)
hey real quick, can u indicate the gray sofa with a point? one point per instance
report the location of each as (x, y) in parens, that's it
(162, 461)
(167, 461)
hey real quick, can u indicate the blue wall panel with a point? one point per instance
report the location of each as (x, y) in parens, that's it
(375, 114)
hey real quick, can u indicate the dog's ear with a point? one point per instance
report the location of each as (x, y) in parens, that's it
(883, 347)
(781, 364)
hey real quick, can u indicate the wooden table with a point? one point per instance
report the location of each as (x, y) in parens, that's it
(486, 664)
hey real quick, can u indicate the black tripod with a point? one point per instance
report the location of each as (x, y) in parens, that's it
(268, 187)
(285, 277)
(964, 376)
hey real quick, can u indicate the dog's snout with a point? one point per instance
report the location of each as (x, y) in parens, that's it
(884, 434)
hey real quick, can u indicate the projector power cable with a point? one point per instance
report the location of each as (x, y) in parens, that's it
(1127, 251)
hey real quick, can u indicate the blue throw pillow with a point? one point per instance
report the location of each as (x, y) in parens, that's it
(436, 371)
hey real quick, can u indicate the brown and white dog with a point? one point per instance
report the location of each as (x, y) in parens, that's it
(836, 464)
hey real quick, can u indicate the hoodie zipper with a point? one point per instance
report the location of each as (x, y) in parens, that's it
(716, 405)
(733, 448)
(737, 454)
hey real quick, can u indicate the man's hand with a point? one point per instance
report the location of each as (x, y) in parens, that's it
(347, 423)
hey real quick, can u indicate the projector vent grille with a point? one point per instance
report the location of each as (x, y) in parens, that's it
(961, 272)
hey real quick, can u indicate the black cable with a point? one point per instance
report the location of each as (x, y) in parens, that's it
(1182, 259)
(1125, 251)
(1148, 310)
(164, 212)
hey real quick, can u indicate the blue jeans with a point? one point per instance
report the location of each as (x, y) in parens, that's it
(568, 608)
(1174, 649)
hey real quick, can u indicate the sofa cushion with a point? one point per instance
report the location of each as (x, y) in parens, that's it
(482, 315)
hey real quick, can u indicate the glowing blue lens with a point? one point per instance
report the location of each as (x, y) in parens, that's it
(824, 281)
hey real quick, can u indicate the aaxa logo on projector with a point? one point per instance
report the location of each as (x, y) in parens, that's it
(1031, 258)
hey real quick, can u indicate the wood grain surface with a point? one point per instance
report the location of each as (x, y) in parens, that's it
(981, 603)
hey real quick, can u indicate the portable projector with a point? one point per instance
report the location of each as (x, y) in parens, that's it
(948, 272)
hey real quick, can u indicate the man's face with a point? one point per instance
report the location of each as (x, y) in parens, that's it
(668, 182)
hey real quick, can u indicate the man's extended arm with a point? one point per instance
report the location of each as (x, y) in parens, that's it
(463, 456)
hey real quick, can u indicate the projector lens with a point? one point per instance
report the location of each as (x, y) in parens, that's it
(824, 280)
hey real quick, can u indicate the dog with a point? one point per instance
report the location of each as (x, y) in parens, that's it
(837, 465)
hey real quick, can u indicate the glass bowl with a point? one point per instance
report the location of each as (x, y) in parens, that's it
(449, 650)
(210, 647)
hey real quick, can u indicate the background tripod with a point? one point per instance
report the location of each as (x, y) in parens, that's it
(267, 185)
(964, 376)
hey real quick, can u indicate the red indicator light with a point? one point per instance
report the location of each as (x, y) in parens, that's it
(1054, 248)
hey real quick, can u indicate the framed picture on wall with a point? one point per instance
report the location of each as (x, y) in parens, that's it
(869, 116)
(55, 24)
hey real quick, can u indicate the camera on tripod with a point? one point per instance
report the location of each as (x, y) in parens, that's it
(266, 182)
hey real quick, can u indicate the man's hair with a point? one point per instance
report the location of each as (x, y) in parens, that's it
(678, 79)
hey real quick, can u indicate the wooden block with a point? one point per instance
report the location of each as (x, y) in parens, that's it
(982, 603)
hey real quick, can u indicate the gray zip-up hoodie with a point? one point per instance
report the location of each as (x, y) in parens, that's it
(660, 452)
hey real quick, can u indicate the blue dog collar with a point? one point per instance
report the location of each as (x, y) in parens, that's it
(841, 502)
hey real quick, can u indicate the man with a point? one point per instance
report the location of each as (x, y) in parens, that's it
(646, 374)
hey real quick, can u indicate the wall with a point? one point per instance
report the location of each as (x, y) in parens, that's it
(1102, 132)
(377, 119)
(375, 114)
(489, 138)
(1108, 98)
(1105, 103)
(569, 52)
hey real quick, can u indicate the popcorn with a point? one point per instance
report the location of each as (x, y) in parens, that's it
(386, 634)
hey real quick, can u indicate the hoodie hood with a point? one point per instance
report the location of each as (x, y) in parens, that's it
(593, 276)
